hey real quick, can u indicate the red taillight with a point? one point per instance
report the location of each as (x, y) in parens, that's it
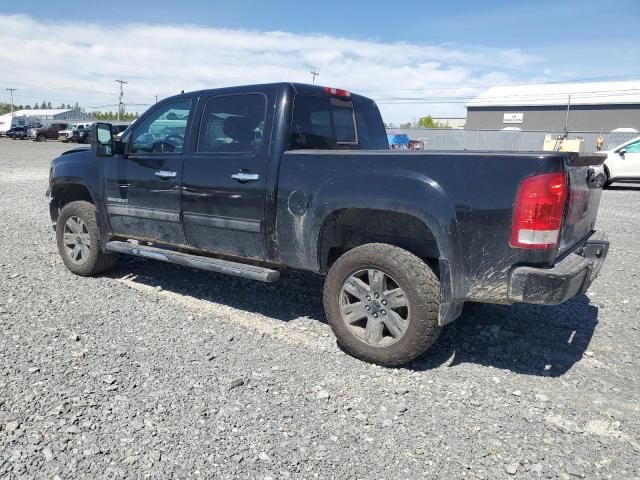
(538, 212)
(338, 92)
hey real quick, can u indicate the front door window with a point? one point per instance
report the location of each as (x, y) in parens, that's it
(163, 131)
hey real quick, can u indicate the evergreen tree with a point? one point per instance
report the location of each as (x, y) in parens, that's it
(43, 105)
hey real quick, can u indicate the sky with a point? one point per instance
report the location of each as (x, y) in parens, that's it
(414, 58)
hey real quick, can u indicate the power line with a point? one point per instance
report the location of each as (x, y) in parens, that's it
(511, 98)
(478, 86)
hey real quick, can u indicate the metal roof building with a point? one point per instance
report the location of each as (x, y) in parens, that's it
(50, 114)
(594, 106)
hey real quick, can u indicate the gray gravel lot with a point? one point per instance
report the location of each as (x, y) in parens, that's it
(166, 372)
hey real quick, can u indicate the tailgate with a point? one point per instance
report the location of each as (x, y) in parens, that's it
(586, 178)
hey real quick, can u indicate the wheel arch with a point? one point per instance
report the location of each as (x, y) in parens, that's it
(346, 228)
(66, 192)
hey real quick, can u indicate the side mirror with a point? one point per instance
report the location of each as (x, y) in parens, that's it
(102, 144)
(621, 152)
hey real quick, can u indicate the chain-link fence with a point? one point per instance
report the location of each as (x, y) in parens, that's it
(503, 140)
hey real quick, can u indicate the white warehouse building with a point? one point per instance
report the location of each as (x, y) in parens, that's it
(50, 114)
(592, 107)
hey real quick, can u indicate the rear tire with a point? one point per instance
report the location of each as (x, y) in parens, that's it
(382, 304)
(78, 240)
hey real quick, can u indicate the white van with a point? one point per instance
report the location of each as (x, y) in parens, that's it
(9, 121)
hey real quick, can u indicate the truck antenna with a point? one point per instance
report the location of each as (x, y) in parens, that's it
(565, 134)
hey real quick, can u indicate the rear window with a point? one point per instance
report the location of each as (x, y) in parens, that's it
(329, 123)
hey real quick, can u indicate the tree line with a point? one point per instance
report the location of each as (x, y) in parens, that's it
(422, 122)
(6, 107)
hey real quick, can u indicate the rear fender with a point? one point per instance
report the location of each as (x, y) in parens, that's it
(393, 191)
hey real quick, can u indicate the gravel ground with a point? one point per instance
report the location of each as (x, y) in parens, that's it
(167, 372)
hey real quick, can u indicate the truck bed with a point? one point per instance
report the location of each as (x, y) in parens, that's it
(466, 199)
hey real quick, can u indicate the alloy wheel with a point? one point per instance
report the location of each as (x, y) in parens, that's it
(374, 307)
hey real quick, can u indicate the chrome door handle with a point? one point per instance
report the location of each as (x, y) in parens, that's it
(165, 174)
(245, 177)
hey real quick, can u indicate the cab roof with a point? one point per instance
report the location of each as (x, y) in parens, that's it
(298, 88)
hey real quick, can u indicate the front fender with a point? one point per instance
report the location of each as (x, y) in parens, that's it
(79, 168)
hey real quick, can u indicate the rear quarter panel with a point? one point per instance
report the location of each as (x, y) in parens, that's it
(466, 200)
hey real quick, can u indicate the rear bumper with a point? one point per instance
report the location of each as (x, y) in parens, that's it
(566, 279)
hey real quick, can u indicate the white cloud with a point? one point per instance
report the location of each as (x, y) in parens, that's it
(65, 62)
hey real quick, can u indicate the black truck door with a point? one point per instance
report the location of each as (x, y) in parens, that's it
(223, 197)
(142, 188)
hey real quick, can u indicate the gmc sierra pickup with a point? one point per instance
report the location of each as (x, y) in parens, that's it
(247, 180)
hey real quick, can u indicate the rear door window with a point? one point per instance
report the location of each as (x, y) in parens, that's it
(233, 124)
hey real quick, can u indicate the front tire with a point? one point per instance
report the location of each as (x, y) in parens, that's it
(382, 304)
(41, 138)
(78, 240)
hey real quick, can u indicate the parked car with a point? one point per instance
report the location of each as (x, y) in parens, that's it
(623, 162)
(248, 180)
(81, 134)
(67, 134)
(47, 132)
(21, 133)
(117, 130)
(16, 132)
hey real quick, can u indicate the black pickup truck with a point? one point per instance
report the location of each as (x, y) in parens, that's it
(247, 180)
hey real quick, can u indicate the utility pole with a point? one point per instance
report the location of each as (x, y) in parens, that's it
(566, 119)
(11, 90)
(120, 104)
(315, 74)
(156, 98)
